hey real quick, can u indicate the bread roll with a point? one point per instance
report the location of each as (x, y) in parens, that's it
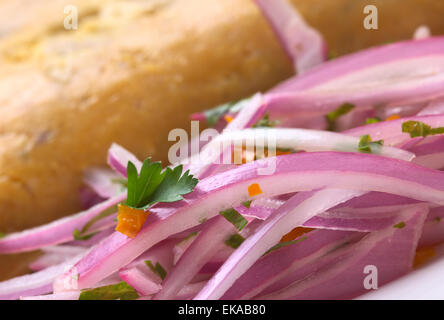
(132, 71)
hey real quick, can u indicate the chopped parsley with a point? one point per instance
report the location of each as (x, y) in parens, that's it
(214, 115)
(372, 120)
(157, 269)
(235, 218)
(82, 235)
(437, 219)
(420, 129)
(399, 225)
(234, 241)
(121, 290)
(265, 122)
(2, 235)
(331, 55)
(366, 144)
(155, 185)
(339, 112)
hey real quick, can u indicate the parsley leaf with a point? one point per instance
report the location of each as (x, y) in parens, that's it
(339, 112)
(366, 144)
(121, 290)
(420, 129)
(155, 185)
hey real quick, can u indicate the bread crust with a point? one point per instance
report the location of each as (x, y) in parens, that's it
(133, 71)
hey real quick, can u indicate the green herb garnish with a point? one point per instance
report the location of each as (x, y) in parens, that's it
(265, 122)
(214, 115)
(235, 218)
(82, 235)
(155, 185)
(399, 225)
(234, 241)
(247, 204)
(157, 269)
(285, 244)
(2, 235)
(121, 290)
(437, 219)
(420, 129)
(372, 120)
(334, 115)
(366, 144)
(331, 55)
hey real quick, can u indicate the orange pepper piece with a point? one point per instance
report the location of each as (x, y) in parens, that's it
(280, 153)
(130, 220)
(228, 118)
(393, 117)
(295, 233)
(254, 189)
(423, 255)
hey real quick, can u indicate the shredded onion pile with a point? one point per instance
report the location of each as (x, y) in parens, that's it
(337, 200)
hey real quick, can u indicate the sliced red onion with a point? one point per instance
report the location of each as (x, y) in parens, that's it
(118, 158)
(294, 212)
(182, 246)
(55, 255)
(303, 44)
(334, 219)
(200, 251)
(142, 279)
(69, 295)
(299, 139)
(58, 231)
(95, 238)
(391, 131)
(422, 284)
(204, 164)
(101, 181)
(296, 172)
(278, 263)
(190, 290)
(160, 253)
(433, 108)
(391, 251)
(397, 74)
(374, 200)
(433, 231)
(89, 198)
